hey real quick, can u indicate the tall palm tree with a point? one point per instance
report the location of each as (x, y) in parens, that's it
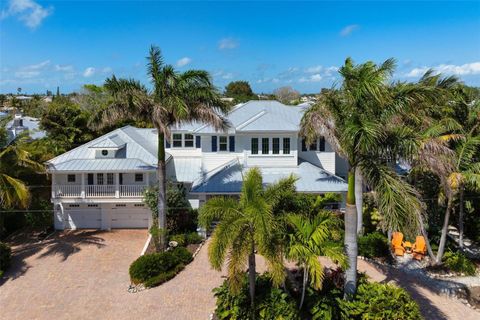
(14, 191)
(353, 119)
(175, 98)
(311, 238)
(245, 226)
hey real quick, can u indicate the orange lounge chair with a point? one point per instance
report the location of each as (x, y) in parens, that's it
(419, 248)
(397, 244)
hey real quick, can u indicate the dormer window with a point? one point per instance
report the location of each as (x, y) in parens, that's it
(104, 153)
(223, 143)
(183, 140)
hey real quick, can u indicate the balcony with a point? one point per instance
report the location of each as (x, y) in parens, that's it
(98, 191)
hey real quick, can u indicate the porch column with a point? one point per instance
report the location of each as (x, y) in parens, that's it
(117, 185)
(83, 186)
(54, 185)
(147, 178)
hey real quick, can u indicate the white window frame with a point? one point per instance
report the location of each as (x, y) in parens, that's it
(74, 178)
(135, 177)
(183, 141)
(226, 143)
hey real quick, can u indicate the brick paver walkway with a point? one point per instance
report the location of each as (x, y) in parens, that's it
(84, 275)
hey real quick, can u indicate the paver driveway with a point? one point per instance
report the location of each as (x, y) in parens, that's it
(84, 275)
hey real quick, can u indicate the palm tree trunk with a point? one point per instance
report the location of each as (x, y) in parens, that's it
(351, 238)
(460, 220)
(304, 285)
(162, 187)
(251, 277)
(443, 238)
(425, 235)
(359, 199)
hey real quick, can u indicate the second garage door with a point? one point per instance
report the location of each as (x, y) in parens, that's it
(129, 216)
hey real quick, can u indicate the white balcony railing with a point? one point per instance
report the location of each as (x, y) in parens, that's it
(98, 191)
(132, 190)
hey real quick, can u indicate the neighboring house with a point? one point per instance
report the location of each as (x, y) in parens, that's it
(21, 124)
(100, 184)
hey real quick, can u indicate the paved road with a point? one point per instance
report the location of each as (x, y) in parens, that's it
(84, 275)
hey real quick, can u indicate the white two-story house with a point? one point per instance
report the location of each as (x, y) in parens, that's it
(100, 184)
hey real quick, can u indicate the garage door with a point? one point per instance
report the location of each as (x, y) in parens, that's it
(129, 216)
(83, 217)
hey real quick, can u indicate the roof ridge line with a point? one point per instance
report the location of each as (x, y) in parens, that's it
(252, 119)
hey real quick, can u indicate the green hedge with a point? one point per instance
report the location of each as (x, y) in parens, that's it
(156, 268)
(5, 257)
(458, 262)
(373, 245)
(184, 239)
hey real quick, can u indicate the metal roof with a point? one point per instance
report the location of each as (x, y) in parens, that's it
(113, 141)
(102, 165)
(255, 115)
(185, 169)
(310, 179)
(139, 144)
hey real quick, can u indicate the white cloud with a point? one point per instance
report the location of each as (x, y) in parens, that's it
(314, 69)
(349, 29)
(183, 62)
(107, 70)
(64, 68)
(459, 70)
(227, 43)
(28, 11)
(227, 76)
(31, 71)
(90, 71)
(313, 78)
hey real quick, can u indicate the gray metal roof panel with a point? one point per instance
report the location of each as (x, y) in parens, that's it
(310, 179)
(102, 165)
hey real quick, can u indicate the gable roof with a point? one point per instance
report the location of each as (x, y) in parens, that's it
(255, 116)
(138, 144)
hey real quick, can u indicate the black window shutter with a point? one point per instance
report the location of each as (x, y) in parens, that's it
(214, 143)
(304, 146)
(197, 142)
(232, 143)
(167, 144)
(322, 144)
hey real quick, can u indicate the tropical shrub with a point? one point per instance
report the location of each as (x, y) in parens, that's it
(458, 262)
(270, 302)
(163, 277)
(5, 257)
(182, 254)
(379, 301)
(373, 245)
(184, 239)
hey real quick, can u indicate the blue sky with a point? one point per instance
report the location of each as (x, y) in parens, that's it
(44, 44)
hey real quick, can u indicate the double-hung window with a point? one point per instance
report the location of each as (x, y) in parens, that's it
(177, 140)
(138, 177)
(286, 145)
(265, 145)
(99, 178)
(254, 145)
(223, 143)
(71, 178)
(109, 178)
(276, 145)
(188, 140)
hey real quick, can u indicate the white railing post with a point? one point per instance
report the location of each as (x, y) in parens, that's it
(117, 185)
(54, 186)
(82, 191)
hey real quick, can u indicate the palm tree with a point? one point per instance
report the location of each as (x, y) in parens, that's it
(353, 119)
(175, 98)
(311, 238)
(245, 226)
(14, 191)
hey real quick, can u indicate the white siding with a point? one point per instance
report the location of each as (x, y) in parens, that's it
(212, 160)
(270, 160)
(324, 159)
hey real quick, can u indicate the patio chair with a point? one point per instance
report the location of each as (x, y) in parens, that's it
(397, 244)
(419, 248)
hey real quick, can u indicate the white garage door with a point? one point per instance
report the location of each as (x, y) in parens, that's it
(83, 217)
(129, 216)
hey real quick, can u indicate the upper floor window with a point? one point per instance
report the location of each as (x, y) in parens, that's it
(317, 145)
(276, 145)
(99, 178)
(177, 140)
(265, 145)
(138, 177)
(183, 140)
(223, 143)
(188, 140)
(71, 178)
(109, 178)
(286, 145)
(254, 145)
